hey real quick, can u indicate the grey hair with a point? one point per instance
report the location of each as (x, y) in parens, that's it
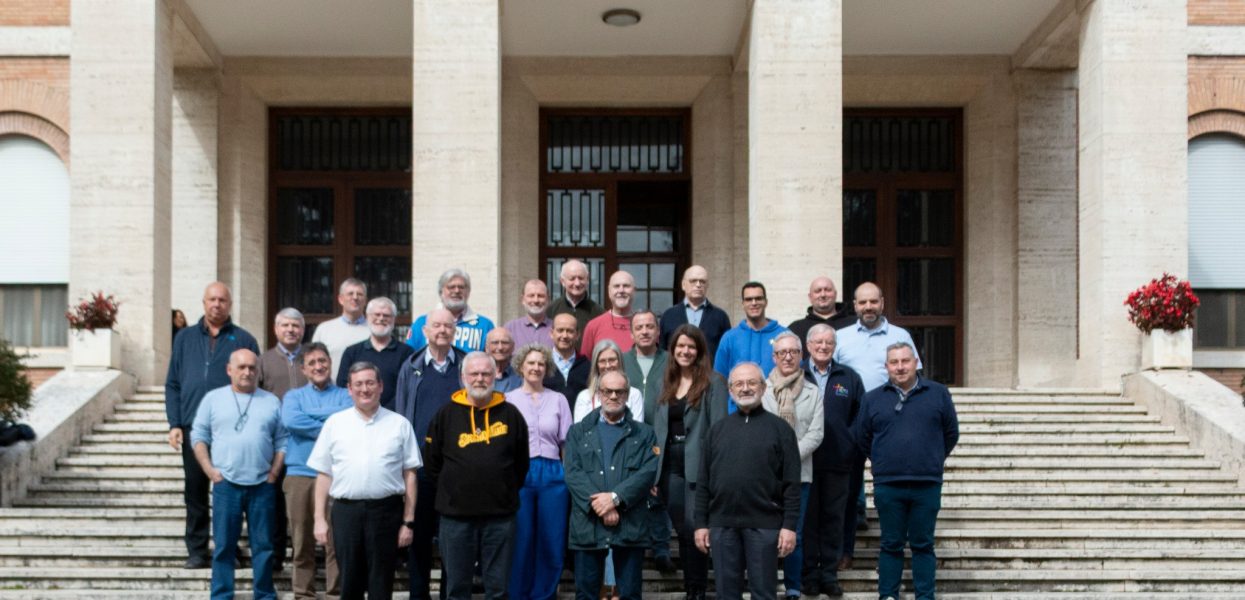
(594, 375)
(819, 329)
(477, 355)
(899, 345)
(351, 282)
(393, 308)
(788, 334)
(580, 263)
(451, 273)
(747, 363)
(290, 312)
(520, 356)
(363, 365)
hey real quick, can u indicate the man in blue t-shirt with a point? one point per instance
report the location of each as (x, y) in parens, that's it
(470, 330)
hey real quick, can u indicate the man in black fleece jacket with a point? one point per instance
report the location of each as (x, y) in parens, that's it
(748, 493)
(478, 457)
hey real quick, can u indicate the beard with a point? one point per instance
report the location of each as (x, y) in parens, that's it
(535, 311)
(479, 394)
(381, 331)
(454, 305)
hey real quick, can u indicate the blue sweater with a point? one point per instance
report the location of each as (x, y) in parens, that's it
(910, 444)
(304, 412)
(197, 367)
(743, 343)
(244, 457)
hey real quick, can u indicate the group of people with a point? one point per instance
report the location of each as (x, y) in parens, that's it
(574, 427)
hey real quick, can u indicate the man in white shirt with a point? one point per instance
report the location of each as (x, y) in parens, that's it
(348, 329)
(366, 458)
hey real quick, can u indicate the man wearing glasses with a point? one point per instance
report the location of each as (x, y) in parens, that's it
(380, 349)
(753, 339)
(907, 428)
(747, 517)
(239, 442)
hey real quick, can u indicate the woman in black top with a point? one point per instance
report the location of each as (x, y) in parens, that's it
(693, 397)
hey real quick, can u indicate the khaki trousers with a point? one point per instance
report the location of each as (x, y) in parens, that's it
(300, 504)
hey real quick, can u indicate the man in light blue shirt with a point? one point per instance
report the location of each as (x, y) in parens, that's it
(239, 442)
(863, 346)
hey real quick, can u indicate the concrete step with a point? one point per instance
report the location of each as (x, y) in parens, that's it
(955, 462)
(130, 406)
(171, 458)
(161, 428)
(402, 595)
(154, 448)
(1110, 439)
(129, 437)
(968, 400)
(1048, 409)
(74, 473)
(975, 428)
(970, 417)
(1157, 452)
(140, 417)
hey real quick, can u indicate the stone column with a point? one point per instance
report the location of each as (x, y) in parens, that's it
(121, 73)
(1133, 204)
(195, 206)
(1046, 245)
(456, 149)
(795, 157)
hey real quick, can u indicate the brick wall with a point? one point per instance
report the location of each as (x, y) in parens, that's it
(1216, 95)
(34, 12)
(1231, 378)
(1217, 12)
(52, 72)
(36, 377)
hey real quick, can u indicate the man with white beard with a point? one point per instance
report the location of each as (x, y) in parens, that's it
(536, 327)
(470, 328)
(615, 323)
(380, 349)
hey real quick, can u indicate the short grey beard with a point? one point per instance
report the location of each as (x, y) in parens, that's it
(479, 394)
(454, 305)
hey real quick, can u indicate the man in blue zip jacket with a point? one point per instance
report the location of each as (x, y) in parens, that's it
(907, 428)
(752, 340)
(197, 366)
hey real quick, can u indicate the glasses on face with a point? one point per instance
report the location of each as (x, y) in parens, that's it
(787, 353)
(744, 384)
(381, 316)
(754, 300)
(614, 392)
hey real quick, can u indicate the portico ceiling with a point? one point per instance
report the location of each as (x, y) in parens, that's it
(574, 27)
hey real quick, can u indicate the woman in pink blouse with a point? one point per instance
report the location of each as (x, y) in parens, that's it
(540, 530)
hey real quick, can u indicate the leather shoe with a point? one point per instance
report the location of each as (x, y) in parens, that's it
(664, 565)
(811, 588)
(845, 563)
(862, 524)
(198, 562)
(833, 589)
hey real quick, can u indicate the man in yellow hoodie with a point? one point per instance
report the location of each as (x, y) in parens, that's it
(477, 454)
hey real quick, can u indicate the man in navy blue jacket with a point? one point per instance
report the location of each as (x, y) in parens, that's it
(197, 366)
(907, 427)
(696, 310)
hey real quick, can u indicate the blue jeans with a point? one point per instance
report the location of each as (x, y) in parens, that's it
(488, 541)
(793, 565)
(229, 502)
(907, 512)
(590, 568)
(540, 532)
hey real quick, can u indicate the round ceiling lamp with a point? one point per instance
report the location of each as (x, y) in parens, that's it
(621, 17)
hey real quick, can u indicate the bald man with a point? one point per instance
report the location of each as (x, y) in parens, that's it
(614, 324)
(198, 365)
(823, 308)
(862, 346)
(239, 442)
(695, 309)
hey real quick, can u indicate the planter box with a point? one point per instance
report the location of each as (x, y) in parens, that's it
(100, 349)
(1163, 350)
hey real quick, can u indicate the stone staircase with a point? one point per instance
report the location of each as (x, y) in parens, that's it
(1049, 495)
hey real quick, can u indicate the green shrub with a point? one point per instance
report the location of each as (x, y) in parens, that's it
(14, 387)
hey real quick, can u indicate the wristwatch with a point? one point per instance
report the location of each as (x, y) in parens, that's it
(409, 525)
(614, 497)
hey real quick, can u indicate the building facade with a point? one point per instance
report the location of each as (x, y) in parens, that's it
(1007, 171)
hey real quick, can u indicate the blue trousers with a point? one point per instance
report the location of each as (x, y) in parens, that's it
(907, 512)
(540, 532)
(230, 502)
(590, 572)
(793, 565)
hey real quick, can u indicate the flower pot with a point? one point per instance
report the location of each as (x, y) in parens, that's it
(99, 349)
(1165, 350)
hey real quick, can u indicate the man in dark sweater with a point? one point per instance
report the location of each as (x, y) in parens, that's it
(695, 309)
(823, 308)
(478, 459)
(425, 384)
(907, 428)
(197, 366)
(747, 517)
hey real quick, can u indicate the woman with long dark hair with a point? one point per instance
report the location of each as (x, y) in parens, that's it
(693, 397)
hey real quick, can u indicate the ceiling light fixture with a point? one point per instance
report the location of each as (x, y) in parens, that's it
(621, 17)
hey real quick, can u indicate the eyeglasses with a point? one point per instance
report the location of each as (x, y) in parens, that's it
(614, 392)
(786, 353)
(756, 300)
(745, 383)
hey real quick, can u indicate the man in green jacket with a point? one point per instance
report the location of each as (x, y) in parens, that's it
(611, 462)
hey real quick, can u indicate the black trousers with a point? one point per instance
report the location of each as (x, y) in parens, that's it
(365, 537)
(823, 524)
(679, 496)
(195, 494)
(419, 559)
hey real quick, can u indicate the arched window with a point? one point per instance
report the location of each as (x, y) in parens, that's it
(34, 241)
(1216, 230)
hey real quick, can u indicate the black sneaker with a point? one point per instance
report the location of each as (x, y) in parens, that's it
(198, 562)
(833, 589)
(811, 587)
(664, 565)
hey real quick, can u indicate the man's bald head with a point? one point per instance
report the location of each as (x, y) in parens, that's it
(243, 370)
(217, 303)
(439, 328)
(695, 284)
(869, 304)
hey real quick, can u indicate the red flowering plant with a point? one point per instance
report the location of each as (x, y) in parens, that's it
(96, 312)
(1165, 303)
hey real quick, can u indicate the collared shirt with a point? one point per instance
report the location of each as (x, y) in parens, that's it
(243, 431)
(821, 376)
(388, 359)
(548, 419)
(290, 356)
(439, 366)
(339, 334)
(365, 456)
(864, 350)
(694, 313)
(563, 364)
(525, 332)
